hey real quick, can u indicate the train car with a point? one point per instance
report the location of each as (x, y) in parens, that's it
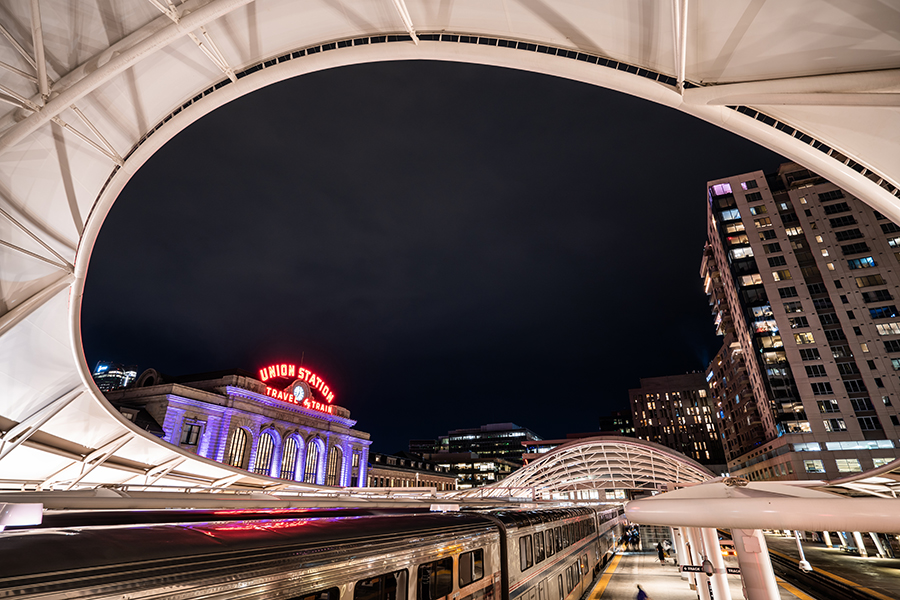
(499, 555)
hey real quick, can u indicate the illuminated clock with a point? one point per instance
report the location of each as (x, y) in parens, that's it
(299, 393)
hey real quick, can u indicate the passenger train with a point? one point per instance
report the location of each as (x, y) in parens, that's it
(292, 554)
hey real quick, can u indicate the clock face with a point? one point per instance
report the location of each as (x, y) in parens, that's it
(299, 393)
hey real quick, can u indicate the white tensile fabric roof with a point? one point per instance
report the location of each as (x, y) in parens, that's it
(584, 469)
(90, 89)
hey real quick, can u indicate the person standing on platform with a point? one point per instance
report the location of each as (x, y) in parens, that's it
(642, 595)
(660, 553)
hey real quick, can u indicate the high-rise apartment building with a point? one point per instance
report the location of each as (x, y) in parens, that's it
(803, 281)
(677, 412)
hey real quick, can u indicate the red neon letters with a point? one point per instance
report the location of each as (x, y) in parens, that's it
(287, 370)
(288, 396)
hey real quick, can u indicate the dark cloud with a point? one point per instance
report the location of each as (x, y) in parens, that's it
(448, 245)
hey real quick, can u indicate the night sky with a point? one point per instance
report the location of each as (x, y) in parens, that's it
(446, 245)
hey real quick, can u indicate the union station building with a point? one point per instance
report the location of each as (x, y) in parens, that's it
(278, 422)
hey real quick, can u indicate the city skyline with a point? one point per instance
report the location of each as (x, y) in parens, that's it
(471, 253)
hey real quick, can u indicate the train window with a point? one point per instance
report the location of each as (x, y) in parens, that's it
(569, 585)
(572, 537)
(538, 547)
(329, 594)
(390, 586)
(584, 565)
(435, 579)
(562, 592)
(551, 542)
(525, 557)
(471, 567)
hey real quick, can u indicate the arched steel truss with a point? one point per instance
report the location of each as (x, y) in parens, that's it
(585, 469)
(90, 90)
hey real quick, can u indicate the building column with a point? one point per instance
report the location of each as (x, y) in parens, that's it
(860, 545)
(347, 469)
(827, 537)
(721, 591)
(681, 551)
(878, 546)
(364, 466)
(757, 575)
(842, 536)
(703, 584)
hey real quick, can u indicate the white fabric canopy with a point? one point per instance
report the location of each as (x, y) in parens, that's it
(90, 89)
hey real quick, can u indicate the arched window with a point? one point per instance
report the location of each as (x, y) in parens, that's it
(312, 462)
(289, 458)
(264, 454)
(237, 449)
(335, 466)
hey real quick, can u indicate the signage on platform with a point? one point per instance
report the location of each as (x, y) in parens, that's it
(293, 371)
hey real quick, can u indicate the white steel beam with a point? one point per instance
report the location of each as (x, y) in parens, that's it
(33, 255)
(17, 46)
(679, 38)
(111, 155)
(86, 465)
(37, 35)
(31, 424)
(400, 5)
(157, 473)
(141, 46)
(18, 314)
(18, 72)
(68, 266)
(86, 121)
(864, 88)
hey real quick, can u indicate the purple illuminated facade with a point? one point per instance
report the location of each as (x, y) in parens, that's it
(228, 417)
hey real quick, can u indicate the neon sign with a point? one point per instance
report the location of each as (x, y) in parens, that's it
(288, 396)
(288, 370)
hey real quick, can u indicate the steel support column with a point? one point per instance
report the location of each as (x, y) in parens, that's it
(756, 566)
(681, 550)
(827, 537)
(720, 588)
(878, 546)
(702, 585)
(860, 545)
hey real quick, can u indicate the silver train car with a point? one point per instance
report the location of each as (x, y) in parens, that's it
(323, 555)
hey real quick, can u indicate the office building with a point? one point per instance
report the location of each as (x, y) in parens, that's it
(408, 470)
(618, 422)
(281, 422)
(472, 470)
(677, 412)
(497, 440)
(112, 376)
(803, 283)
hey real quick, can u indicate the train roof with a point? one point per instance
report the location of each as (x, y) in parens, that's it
(37, 557)
(525, 518)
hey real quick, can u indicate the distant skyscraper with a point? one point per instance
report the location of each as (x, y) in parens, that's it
(676, 412)
(497, 440)
(617, 422)
(802, 279)
(111, 376)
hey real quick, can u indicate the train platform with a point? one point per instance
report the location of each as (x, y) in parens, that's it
(878, 577)
(662, 582)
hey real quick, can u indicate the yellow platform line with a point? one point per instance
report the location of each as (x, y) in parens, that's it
(604, 580)
(791, 589)
(846, 582)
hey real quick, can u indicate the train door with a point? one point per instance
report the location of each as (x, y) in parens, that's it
(542, 590)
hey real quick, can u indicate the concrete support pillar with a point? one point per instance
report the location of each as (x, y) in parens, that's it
(703, 586)
(681, 550)
(719, 579)
(878, 546)
(827, 537)
(756, 568)
(860, 545)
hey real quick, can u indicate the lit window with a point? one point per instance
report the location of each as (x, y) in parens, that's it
(880, 462)
(814, 466)
(781, 275)
(835, 425)
(824, 252)
(763, 222)
(830, 266)
(848, 465)
(758, 210)
(804, 338)
(819, 238)
(792, 231)
(864, 347)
